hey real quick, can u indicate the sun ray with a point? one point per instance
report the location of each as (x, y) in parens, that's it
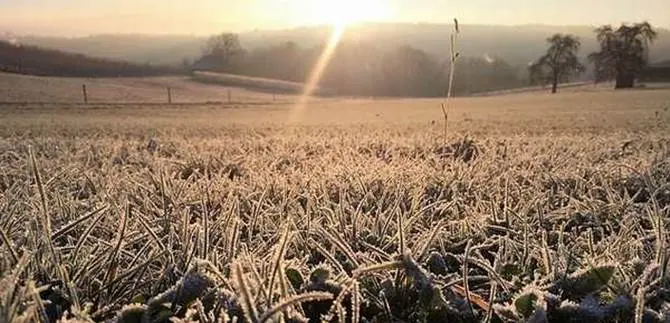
(340, 15)
(317, 73)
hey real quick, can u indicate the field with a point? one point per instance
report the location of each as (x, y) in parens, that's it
(16, 89)
(257, 83)
(535, 208)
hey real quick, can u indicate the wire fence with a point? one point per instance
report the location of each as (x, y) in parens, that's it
(21, 89)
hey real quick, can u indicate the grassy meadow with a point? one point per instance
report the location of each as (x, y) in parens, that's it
(26, 89)
(535, 208)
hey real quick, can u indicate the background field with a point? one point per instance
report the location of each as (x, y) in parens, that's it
(22, 88)
(558, 202)
(576, 110)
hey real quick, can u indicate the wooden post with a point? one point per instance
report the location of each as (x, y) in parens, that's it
(274, 96)
(83, 89)
(169, 93)
(230, 96)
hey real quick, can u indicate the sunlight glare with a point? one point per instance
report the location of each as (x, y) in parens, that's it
(341, 13)
(317, 73)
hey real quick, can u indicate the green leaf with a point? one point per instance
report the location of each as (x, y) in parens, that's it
(524, 304)
(590, 280)
(139, 299)
(437, 300)
(508, 271)
(295, 277)
(319, 275)
(133, 313)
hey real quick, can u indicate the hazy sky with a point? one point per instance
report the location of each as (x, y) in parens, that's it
(84, 17)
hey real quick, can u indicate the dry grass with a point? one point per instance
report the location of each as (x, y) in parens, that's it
(358, 212)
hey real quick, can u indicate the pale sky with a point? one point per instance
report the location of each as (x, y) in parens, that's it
(85, 17)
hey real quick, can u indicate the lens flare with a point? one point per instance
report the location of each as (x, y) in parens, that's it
(317, 73)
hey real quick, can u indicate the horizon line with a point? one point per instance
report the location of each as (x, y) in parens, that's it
(7, 31)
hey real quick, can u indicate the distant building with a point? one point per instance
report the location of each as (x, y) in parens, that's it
(656, 72)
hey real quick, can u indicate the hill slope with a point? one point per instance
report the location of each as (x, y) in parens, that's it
(34, 60)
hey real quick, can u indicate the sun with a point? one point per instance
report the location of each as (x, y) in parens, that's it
(342, 13)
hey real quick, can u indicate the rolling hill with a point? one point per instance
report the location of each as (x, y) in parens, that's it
(33, 60)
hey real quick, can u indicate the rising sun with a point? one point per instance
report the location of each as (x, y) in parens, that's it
(342, 13)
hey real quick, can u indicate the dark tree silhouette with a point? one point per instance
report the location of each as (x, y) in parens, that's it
(559, 63)
(364, 68)
(409, 71)
(222, 53)
(623, 52)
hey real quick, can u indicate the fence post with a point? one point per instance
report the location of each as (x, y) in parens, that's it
(83, 90)
(169, 93)
(230, 96)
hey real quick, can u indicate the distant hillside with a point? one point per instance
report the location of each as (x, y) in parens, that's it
(516, 44)
(32, 60)
(154, 49)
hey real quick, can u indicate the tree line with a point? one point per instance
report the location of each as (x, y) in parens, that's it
(623, 54)
(362, 68)
(32, 60)
(370, 69)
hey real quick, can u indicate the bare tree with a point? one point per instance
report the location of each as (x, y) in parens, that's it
(559, 63)
(223, 51)
(623, 52)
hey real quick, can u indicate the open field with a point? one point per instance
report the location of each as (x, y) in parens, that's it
(257, 83)
(576, 87)
(538, 208)
(22, 88)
